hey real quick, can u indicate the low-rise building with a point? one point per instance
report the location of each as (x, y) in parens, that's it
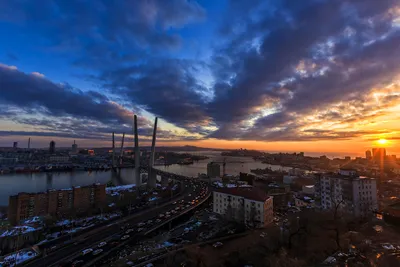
(302, 201)
(347, 190)
(58, 203)
(251, 206)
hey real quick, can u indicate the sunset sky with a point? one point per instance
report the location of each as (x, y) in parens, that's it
(278, 75)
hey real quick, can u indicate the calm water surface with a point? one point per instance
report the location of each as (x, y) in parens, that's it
(11, 184)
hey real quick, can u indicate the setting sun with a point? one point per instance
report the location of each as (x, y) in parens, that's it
(382, 141)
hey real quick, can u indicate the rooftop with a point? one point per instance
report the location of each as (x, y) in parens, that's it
(252, 193)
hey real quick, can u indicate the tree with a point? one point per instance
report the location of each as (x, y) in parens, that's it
(282, 259)
(49, 221)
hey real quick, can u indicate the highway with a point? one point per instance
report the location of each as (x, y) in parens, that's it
(111, 234)
(135, 229)
(68, 248)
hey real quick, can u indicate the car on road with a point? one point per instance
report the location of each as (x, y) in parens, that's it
(158, 221)
(161, 215)
(77, 263)
(87, 251)
(167, 216)
(140, 224)
(217, 244)
(129, 230)
(140, 229)
(174, 203)
(102, 244)
(97, 251)
(125, 237)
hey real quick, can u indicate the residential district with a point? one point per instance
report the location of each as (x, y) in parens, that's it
(318, 212)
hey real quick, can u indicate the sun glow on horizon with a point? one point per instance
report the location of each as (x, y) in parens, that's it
(382, 141)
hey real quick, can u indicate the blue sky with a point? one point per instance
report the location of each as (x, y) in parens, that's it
(276, 73)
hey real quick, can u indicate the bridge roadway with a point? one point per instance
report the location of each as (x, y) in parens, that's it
(90, 259)
(105, 254)
(64, 254)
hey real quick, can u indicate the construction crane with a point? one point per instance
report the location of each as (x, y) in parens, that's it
(122, 149)
(113, 151)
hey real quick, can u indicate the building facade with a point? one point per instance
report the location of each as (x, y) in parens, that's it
(213, 170)
(58, 203)
(347, 191)
(248, 205)
(379, 154)
(52, 147)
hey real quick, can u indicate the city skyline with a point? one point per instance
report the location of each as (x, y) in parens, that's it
(320, 76)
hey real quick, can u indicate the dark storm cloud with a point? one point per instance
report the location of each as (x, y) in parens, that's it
(283, 45)
(104, 20)
(166, 88)
(35, 92)
(293, 57)
(89, 129)
(249, 73)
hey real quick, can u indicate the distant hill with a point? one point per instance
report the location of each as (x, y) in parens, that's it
(171, 148)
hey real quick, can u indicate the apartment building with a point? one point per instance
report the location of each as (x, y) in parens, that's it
(58, 203)
(354, 194)
(249, 205)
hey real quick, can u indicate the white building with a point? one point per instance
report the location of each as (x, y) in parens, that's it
(352, 193)
(249, 205)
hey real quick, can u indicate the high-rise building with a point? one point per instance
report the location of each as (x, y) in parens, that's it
(249, 205)
(368, 155)
(74, 148)
(58, 203)
(213, 170)
(15, 145)
(379, 153)
(52, 148)
(351, 193)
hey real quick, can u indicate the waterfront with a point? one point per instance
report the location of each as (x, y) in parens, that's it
(13, 183)
(234, 165)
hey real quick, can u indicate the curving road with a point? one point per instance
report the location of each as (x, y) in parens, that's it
(195, 190)
(111, 232)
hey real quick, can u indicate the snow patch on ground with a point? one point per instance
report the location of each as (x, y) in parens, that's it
(103, 217)
(116, 189)
(219, 184)
(17, 258)
(18, 230)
